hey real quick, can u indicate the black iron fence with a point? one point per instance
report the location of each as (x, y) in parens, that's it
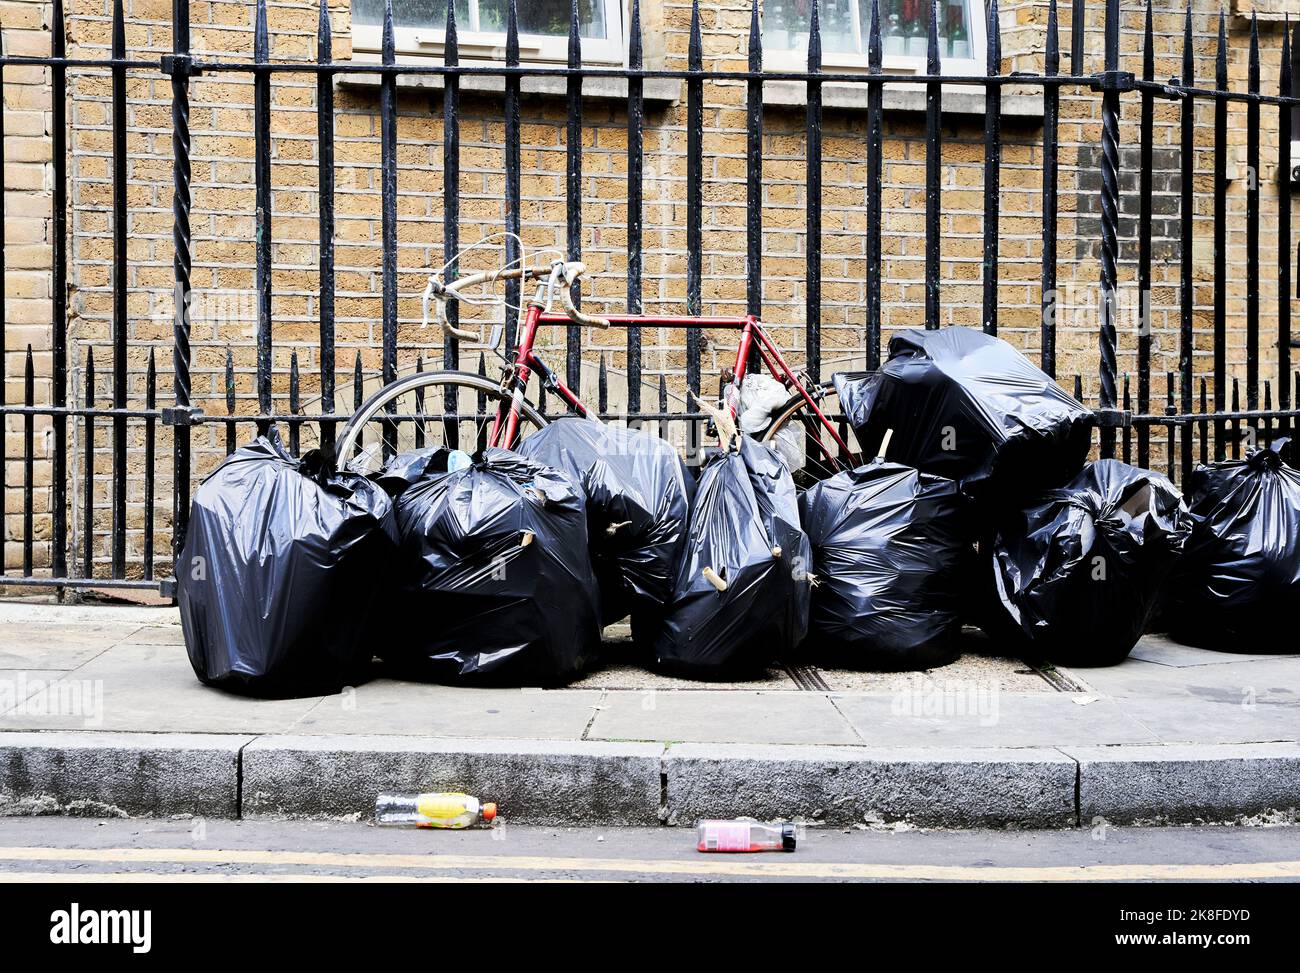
(1196, 424)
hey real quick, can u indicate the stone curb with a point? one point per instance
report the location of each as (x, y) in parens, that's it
(120, 774)
(611, 784)
(534, 782)
(1180, 784)
(851, 785)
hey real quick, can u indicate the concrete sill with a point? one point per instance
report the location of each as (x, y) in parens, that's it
(658, 92)
(957, 99)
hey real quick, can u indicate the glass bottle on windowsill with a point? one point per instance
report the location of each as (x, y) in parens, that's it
(917, 41)
(958, 38)
(894, 43)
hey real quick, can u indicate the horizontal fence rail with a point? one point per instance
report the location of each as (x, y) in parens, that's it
(117, 423)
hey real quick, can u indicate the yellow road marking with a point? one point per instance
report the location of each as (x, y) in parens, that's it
(751, 867)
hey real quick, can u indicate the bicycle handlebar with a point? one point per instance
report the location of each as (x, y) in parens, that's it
(563, 275)
(575, 315)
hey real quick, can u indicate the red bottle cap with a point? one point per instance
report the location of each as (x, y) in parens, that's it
(489, 812)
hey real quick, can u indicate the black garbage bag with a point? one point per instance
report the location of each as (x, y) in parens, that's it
(495, 581)
(888, 548)
(407, 469)
(740, 599)
(967, 406)
(1080, 571)
(279, 576)
(1239, 584)
(638, 494)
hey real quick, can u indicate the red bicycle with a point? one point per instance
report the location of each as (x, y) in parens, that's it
(476, 410)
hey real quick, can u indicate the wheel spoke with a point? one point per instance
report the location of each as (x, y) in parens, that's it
(820, 454)
(399, 418)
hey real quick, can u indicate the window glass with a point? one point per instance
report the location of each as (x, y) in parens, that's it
(410, 13)
(846, 26)
(544, 17)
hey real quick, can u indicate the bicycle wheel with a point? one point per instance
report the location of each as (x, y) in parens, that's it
(427, 409)
(797, 433)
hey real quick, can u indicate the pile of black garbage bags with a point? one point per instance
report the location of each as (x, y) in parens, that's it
(1056, 558)
(495, 569)
(501, 568)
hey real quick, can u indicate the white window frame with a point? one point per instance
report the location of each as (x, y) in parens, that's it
(474, 45)
(797, 59)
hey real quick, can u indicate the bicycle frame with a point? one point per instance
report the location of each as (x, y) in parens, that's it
(752, 336)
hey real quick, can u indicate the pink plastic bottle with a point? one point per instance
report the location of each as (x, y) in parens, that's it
(744, 836)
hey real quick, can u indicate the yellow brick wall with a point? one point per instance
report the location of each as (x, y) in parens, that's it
(223, 222)
(27, 182)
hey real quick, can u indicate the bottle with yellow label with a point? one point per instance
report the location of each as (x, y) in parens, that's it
(432, 810)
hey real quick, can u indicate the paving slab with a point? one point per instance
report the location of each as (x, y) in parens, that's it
(388, 707)
(721, 717)
(857, 785)
(30, 645)
(1242, 701)
(1233, 719)
(52, 615)
(1272, 677)
(971, 715)
(1151, 785)
(26, 691)
(1161, 650)
(157, 635)
(532, 781)
(118, 775)
(152, 689)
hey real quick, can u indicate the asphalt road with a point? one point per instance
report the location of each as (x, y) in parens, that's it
(53, 849)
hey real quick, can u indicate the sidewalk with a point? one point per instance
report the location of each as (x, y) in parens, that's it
(100, 714)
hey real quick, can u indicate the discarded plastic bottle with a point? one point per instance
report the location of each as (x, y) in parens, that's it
(432, 810)
(744, 836)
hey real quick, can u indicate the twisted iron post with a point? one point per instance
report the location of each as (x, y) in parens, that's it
(180, 68)
(1109, 227)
